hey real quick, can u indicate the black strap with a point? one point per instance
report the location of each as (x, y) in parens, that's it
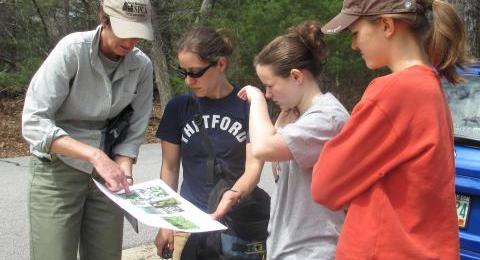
(198, 119)
(116, 129)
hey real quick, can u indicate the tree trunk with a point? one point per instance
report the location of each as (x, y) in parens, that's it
(160, 52)
(8, 47)
(205, 9)
(42, 19)
(470, 12)
(89, 14)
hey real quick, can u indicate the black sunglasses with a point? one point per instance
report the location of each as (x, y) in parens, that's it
(183, 73)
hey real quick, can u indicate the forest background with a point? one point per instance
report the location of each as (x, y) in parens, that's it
(29, 29)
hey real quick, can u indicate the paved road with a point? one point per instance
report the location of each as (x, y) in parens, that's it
(13, 210)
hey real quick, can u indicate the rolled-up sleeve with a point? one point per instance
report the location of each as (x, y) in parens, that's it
(142, 108)
(47, 91)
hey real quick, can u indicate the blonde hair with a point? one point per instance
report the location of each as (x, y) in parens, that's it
(442, 33)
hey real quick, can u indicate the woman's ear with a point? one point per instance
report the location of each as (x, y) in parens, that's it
(388, 26)
(222, 63)
(105, 26)
(297, 76)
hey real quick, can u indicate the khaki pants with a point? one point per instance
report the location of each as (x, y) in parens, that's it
(179, 243)
(68, 214)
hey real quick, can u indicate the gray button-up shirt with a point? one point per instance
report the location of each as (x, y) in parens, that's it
(71, 94)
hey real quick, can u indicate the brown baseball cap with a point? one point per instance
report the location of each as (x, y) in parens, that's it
(354, 9)
(130, 18)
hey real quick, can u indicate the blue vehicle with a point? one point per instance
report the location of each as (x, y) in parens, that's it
(464, 102)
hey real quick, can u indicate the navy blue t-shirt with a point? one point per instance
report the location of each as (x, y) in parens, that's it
(226, 124)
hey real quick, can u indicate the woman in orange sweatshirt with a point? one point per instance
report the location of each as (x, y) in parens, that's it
(392, 164)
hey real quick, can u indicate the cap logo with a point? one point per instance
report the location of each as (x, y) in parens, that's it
(334, 30)
(408, 4)
(134, 9)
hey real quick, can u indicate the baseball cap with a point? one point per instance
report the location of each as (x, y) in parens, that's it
(130, 18)
(354, 9)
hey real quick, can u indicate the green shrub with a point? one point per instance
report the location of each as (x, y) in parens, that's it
(15, 83)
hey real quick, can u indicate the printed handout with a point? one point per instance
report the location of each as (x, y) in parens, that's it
(155, 204)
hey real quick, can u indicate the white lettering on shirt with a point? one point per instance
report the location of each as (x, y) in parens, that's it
(235, 128)
(205, 120)
(217, 122)
(225, 123)
(188, 130)
(242, 136)
(196, 127)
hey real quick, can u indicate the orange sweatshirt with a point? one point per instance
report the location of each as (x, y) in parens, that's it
(392, 165)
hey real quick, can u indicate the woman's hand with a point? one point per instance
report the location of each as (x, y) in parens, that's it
(164, 241)
(248, 93)
(110, 171)
(229, 199)
(125, 164)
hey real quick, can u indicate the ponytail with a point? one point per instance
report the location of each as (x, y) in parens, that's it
(442, 33)
(446, 42)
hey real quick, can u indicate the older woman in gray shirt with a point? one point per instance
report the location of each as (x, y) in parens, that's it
(87, 79)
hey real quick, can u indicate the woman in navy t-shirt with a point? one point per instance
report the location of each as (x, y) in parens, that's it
(203, 58)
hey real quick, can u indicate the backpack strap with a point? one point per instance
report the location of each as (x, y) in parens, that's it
(198, 119)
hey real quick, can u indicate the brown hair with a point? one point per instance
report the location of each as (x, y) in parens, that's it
(209, 44)
(302, 47)
(103, 18)
(442, 32)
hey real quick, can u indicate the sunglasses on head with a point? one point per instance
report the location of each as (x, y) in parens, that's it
(195, 73)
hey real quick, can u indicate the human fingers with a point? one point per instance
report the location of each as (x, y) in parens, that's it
(217, 214)
(129, 180)
(250, 91)
(164, 242)
(295, 112)
(111, 184)
(159, 242)
(125, 184)
(242, 94)
(170, 239)
(229, 199)
(109, 171)
(109, 187)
